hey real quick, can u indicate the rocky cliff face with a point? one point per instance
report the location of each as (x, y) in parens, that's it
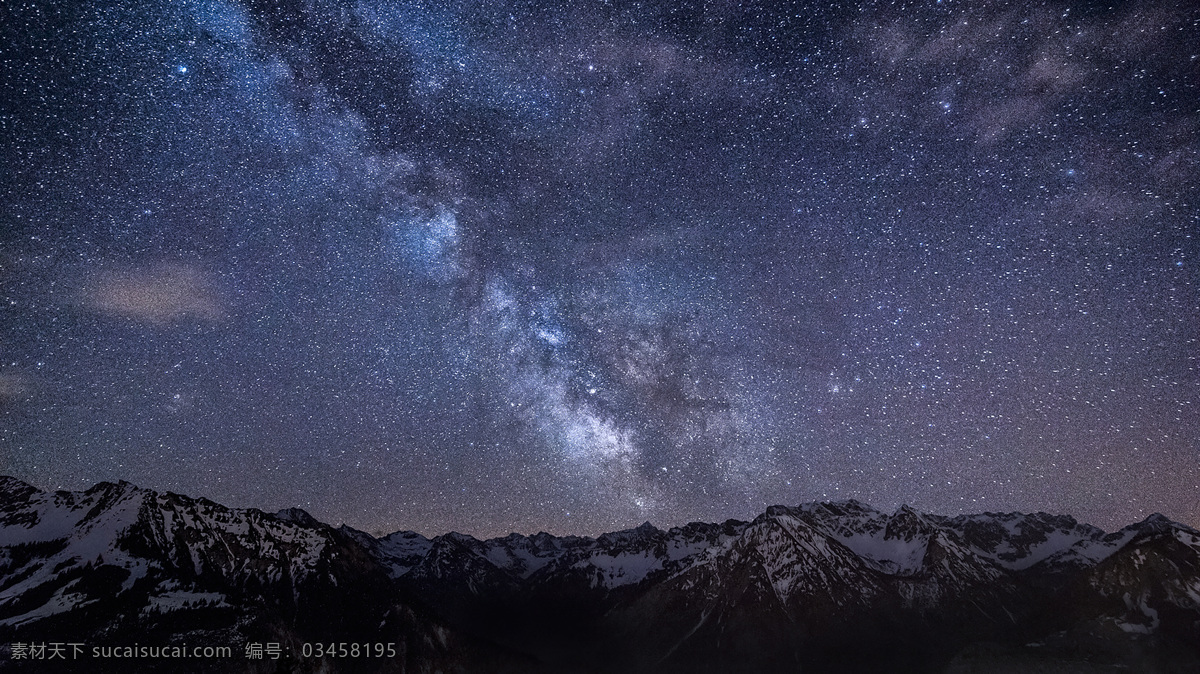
(819, 587)
(117, 566)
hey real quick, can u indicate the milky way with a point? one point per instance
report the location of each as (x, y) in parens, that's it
(495, 267)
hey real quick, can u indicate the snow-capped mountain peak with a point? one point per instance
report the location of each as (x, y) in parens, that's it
(116, 558)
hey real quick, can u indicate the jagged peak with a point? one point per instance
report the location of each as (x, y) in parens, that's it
(298, 516)
(11, 486)
(1157, 523)
(118, 486)
(642, 531)
(851, 504)
(908, 516)
(700, 528)
(643, 528)
(459, 538)
(777, 510)
(347, 530)
(404, 535)
(1153, 522)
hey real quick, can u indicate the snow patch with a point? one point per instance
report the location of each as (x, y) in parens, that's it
(60, 602)
(622, 568)
(176, 600)
(894, 555)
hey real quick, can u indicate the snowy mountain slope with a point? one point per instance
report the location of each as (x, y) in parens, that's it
(157, 542)
(821, 586)
(119, 564)
(1154, 569)
(811, 575)
(826, 544)
(905, 544)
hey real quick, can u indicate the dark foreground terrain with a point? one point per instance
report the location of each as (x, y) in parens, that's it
(89, 578)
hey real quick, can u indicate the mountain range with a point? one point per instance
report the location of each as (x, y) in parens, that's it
(820, 587)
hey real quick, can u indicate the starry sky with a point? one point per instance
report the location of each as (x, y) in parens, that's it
(570, 266)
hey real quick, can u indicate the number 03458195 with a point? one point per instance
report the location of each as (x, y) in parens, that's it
(353, 649)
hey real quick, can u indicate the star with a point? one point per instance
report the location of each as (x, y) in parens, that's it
(600, 267)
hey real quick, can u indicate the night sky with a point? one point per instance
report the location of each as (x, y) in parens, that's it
(493, 267)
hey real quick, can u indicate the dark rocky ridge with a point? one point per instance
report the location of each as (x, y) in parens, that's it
(819, 587)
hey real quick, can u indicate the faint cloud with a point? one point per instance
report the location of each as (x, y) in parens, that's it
(606, 84)
(1151, 28)
(14, 386)
(967, 39)
(1054, 74)
(158, 295)
(1011, 70)
(997, 120)
(889, 45)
